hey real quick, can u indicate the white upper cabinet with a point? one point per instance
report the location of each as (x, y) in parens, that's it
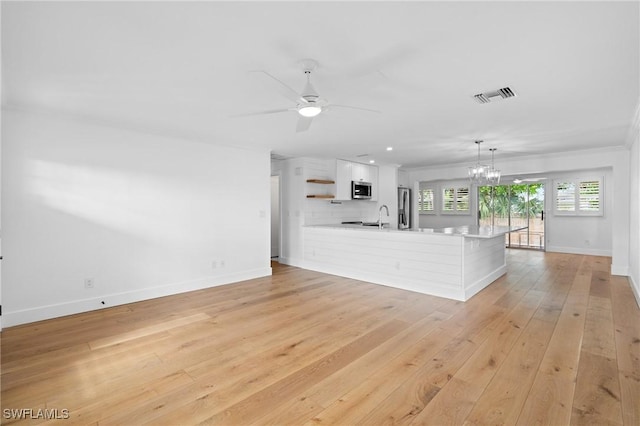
(343, 180)
(347, 171)
(360, 172)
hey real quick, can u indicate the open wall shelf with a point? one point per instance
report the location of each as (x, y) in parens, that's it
(321, 182)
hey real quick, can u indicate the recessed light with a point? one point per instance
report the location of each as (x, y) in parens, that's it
(372, 161)
(389, 148)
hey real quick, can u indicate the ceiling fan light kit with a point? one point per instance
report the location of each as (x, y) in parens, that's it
(309, 111)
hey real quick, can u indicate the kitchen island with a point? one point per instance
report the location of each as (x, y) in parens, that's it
(455, 263)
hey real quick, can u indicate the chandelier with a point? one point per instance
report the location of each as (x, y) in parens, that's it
(493, 174)
(478, 173)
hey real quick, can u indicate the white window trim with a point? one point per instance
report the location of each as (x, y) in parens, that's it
(576, 183)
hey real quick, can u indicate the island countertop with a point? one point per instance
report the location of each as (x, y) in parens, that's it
(471, 231)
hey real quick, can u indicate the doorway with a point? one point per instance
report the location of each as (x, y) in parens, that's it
(515, 205)
(275, 217)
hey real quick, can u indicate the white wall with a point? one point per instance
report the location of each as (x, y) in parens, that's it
(617, 189)
(634, 228)
(141, 215)
(581, 234)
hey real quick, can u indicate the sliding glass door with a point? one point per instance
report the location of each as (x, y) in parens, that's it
(515, 205)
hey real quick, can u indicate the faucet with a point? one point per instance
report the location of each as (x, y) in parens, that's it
(380, 215)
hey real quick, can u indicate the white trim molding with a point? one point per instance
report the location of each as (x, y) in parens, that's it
(635, 127)
(105, 301)
(635, 288)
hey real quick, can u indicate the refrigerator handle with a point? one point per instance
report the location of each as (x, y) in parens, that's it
(404, 208)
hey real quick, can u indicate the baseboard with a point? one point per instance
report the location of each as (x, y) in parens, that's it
(622, 270)
(479, 285)
(291, 262)
(579, 250)
(40, 313)
(635, 288)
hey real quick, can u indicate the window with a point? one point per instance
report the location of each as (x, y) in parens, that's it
(578, 197)
(565, 197)
(589, 196)
(455, 199)
(426, 200)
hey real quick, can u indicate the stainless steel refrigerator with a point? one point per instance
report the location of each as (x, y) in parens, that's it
(404, 208)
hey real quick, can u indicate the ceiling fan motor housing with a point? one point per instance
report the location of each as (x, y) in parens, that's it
(309, 94)
(310, 98)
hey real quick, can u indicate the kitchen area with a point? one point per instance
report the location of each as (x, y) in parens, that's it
(356, 220)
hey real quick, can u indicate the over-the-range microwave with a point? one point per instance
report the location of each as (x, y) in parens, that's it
(360, 190)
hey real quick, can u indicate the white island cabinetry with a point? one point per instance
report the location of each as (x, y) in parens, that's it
(455, 263)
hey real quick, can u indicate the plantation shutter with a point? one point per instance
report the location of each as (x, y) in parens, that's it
(589, 196)
(565, 197)
(449, 198)
(426, 204)
(462, 199)
(578, 197)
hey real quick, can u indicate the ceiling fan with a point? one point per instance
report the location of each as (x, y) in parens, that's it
(308, 103)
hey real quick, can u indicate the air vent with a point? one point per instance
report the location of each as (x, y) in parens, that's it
(486, 97)
(481, 98)
(505, 92)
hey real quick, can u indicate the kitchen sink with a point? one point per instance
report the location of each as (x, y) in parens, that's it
(365, 223)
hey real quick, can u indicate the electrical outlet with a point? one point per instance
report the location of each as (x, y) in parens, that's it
(88, 283)
(214, 264)
(222, 263)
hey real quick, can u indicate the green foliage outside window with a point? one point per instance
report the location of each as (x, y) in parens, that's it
(511, 200)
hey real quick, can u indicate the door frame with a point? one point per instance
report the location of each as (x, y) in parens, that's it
(543, 237)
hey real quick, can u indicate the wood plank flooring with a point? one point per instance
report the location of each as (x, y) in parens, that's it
(554, 341)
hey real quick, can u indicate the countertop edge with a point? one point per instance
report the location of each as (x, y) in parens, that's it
(460, 231)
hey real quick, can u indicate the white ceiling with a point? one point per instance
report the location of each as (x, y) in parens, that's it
(184, 69)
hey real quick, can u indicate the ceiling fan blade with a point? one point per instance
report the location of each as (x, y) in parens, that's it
(303, 124)
(284, 89)
(353, 107)
(271, 111)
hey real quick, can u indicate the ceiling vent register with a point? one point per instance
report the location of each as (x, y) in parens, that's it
(486, 97)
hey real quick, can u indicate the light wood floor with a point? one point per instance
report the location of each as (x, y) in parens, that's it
(555, 341)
